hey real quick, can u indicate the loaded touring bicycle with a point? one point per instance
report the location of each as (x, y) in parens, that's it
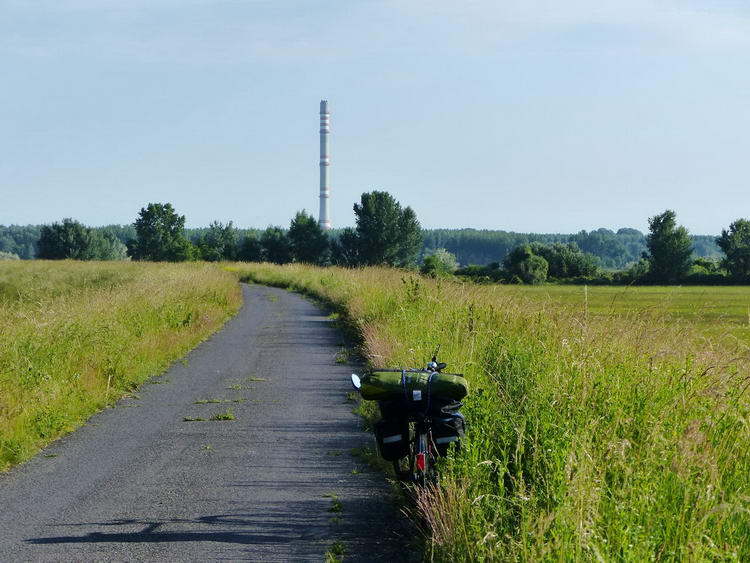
(420, 416)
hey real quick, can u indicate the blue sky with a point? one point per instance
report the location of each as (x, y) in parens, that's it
(529, 116)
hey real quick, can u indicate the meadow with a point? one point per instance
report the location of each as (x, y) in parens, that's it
(718, 311)
(76, 336)
(604, 424)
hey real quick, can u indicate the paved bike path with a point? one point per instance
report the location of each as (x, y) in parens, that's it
(138, 483)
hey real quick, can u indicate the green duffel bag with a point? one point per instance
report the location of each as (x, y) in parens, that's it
(413, 387)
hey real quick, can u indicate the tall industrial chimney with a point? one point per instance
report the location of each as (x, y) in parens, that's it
(324, 219)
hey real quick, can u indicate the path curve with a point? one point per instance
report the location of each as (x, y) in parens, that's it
(139, 483)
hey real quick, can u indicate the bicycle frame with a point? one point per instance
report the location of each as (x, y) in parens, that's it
(420, 463)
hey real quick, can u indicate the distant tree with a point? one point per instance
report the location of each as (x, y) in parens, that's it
(411, 241)
(160, 235)
(629, 231)
(526, 266)
(386, 233)
(73, 240)
(308, 241)
(276, 246)
(8, 256)
(106, 246)
(250, 249)
(638, 272)
(218, 242)
(123, 233)
(20, 240)
(67, 240)
(704, 266)
(345, 249)
(735, 243)
(566, 260)
(441, 263)
(7, 244)
(670, 249)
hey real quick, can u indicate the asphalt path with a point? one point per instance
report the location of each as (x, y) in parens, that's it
(278, 483)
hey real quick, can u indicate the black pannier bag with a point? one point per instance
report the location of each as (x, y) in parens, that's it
(392, 437)
(447, 428)
(393, 408)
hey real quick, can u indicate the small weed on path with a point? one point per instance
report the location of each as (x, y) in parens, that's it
(336, 552)
(227, 415)
(342, 356)
(336, 505)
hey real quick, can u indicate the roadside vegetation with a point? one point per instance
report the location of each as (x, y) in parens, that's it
(76, 336)
(598, 429)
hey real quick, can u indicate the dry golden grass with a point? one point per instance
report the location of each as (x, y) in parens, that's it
(74, 336)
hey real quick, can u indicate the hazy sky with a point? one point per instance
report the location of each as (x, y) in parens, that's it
(543, 116)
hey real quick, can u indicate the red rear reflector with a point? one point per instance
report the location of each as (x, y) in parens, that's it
(421, 462)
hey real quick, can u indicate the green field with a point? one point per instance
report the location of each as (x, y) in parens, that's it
(610, 431)
(718, 312)
(75, 336)
(729, 306)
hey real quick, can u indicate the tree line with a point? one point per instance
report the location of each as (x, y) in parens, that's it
(669, 258)
(385, 233)
(614, 250)
(388, 234)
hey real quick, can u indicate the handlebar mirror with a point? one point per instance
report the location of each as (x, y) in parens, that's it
(442, 366)
(356, 382)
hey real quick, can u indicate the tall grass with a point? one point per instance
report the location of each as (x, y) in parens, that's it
(75, 336)
(620, 437)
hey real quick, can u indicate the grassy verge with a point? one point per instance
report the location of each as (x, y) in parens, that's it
(75, 336)
(617, 436)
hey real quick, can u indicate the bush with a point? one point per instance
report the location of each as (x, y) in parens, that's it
(526, 266)
(439, 264)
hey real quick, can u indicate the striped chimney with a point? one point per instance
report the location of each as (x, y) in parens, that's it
(325, 166)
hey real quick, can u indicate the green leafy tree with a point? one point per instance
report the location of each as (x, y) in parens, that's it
(218, 242)
(412, 241)
(704, 266)
(160, 235)
(522, 264)
(566, 260)
(106, 246)
(250, 249)
(73, 240)
(345, 249)
(308, 242)
(386, 233)
(439, 264)
(735, 243)
(670, 249)
(20, 240)
(67, 240)
(276, 246)
(8, 256)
